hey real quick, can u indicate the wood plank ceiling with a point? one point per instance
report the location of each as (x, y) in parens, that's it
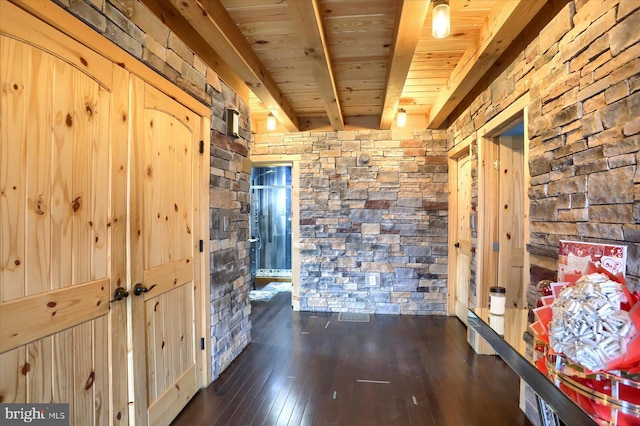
(322, 64)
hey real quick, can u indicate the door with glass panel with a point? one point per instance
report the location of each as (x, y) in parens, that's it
(270, 221)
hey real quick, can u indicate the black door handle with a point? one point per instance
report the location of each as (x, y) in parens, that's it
(138, 289)
(119, 294)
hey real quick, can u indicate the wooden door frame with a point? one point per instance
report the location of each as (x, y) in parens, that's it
(58, 18)
(294, 162)
(488, 180)
(455, 154)
(202, 266)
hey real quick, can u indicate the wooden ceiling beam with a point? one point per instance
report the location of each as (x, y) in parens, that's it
(308, 21)
(504, 23)
(209, 20)
(409, 22)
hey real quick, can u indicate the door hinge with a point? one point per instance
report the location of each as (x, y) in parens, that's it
(201, 147)
(496, 164)
(201, 246)
(496, 246)
(202, 343)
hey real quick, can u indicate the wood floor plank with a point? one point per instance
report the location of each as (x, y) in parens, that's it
(304, 369)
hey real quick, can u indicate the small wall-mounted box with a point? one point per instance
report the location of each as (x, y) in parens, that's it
(223, 221)
(372, 279)
(233, 122)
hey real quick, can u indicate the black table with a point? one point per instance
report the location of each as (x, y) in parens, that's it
(510, 346)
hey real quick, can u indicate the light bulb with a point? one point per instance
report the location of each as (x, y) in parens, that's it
(401, 119)
(271, 122)
(441, 24)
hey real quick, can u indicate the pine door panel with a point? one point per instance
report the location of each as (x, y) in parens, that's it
(55, 285)
(166, 135)
(30, 318)
(512, 218)
(463, 223)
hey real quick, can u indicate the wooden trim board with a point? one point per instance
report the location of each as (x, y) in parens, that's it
(202, 266)
(34, 317)
(171, 402)
(167, 277)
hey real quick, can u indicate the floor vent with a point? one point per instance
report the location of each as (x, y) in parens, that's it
(353, 317)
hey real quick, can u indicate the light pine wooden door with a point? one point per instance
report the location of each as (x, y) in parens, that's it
(512, 217)
(463, 243)
(59, 263)
(163, 205)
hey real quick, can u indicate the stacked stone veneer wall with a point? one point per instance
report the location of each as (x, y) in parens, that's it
(230, 278)
(583, 75)
(582, 72)
(130, 25)
(387, 217)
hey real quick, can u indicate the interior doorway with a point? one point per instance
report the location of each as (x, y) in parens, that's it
(503, 212)
(503, 209)
(292, 162)
(270, 224)
(511, 214)
(460, 227)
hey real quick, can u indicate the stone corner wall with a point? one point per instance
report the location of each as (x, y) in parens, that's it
(385, 218)
(585, 131)
(229, 234)
(582, 72)
(583, 76)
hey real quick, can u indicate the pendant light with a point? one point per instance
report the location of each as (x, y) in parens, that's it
(441, 23)
(271, 122)
(401, 118)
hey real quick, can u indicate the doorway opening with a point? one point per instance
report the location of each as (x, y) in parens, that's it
(503, 209)
(503, 212)
(270, 228)
(460, 228)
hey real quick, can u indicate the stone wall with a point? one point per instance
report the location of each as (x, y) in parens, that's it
(130, 25)
(385, 218)
(583, 75)
(134, 28)
(230, 278)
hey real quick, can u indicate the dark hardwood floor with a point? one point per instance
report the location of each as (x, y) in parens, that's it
(311, 369)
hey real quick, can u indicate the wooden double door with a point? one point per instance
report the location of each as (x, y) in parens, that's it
(98, 199)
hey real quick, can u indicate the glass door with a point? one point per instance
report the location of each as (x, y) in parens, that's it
(270, 221)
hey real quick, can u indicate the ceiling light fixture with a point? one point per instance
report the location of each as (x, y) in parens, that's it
(441, 24)
(401, 118)
(271, 122)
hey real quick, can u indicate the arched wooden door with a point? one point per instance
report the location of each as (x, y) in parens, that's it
(62, 223)
(99, 190)
(163, 201)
